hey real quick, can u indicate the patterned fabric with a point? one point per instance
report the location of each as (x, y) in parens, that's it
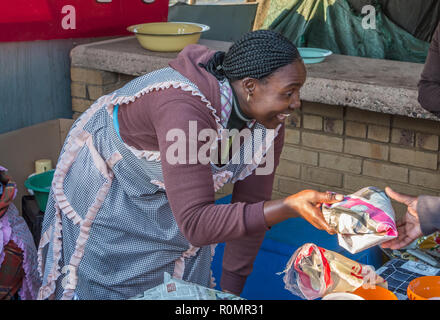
(8, 192)
(227, 101)
(14, 228)
(227, 106)
(108, 230)
(18, 255)
(11, 271)
(226, 98)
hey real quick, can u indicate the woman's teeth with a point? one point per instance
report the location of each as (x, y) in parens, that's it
(283, 116)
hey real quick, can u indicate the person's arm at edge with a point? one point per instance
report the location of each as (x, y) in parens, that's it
(429, 85)
(428, 209)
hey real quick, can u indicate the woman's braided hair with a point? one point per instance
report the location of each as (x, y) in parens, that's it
(257, 55)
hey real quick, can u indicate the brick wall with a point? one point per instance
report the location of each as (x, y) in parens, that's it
(88, 85)
(327, 147)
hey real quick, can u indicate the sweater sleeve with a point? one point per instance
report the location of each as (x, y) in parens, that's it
(429, 85)
(239, 255)
(189, 183)
(428, 208)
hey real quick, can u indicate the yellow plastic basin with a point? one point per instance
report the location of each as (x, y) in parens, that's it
(167, 36)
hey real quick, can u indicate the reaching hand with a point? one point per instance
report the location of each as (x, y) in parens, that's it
(409, 227)
(308, 203)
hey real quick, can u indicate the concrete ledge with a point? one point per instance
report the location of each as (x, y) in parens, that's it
(383, 86)
(125, 55)
(384, 99)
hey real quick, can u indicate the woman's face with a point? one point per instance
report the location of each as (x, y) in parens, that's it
(271, 100)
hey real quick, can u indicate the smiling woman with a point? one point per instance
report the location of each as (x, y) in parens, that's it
(120, 214)
(266, 72)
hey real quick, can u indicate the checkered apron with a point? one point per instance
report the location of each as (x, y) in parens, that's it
(108, 230)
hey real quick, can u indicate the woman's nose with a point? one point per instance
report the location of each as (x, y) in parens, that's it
(295, 104)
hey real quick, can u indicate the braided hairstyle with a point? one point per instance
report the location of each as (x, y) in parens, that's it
(256, 55)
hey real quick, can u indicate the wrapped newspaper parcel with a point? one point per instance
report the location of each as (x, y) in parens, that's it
(313, 272)
(362, 220)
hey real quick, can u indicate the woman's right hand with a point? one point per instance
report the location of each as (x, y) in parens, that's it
(307, 204)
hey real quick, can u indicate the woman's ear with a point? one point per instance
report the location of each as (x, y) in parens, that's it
(249, 85)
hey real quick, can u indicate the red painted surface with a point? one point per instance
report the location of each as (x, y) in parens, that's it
(25, 20)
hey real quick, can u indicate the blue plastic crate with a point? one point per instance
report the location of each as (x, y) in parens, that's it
(278, 246)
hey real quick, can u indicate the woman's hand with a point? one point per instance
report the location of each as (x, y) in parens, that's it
(409, 227)
(307, 204)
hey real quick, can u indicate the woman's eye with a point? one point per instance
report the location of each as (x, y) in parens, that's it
(289, 94)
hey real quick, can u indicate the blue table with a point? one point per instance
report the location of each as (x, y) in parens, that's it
(278, 246)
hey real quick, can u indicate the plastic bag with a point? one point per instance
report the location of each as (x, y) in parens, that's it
(176, 289)
(313, 272)
(332, 25)
(362, 220)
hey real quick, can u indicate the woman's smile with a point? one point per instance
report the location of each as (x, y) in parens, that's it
(282, 117)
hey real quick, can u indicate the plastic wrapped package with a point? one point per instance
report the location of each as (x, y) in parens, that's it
(362, 220)
(313, 272)
(176, 289)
